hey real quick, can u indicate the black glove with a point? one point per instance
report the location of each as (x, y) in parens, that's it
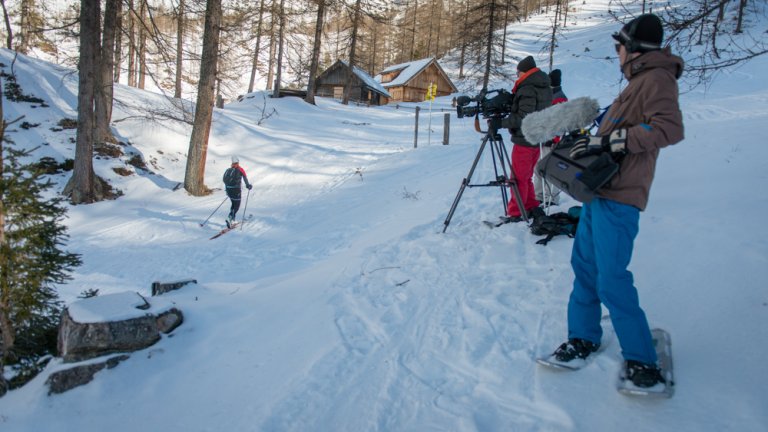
(249, 186)
(615, 143)
(586, 146)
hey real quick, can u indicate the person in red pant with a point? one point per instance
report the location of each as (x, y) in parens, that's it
(549, 194)
(532, 92)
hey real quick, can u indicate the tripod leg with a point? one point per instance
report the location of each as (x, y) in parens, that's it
(498, 155)
(464, 184)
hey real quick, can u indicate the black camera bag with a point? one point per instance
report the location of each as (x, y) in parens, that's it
(579, 178)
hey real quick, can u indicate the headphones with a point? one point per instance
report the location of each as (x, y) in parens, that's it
(631, 44)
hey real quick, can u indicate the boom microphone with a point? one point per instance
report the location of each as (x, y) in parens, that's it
(541, 126)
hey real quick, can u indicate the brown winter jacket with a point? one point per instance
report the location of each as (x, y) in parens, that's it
(648, 108)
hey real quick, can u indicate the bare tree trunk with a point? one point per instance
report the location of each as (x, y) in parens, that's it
(256, 49)
(142, 44)
(565, 15)
(403, 36)
(131, 43)
(104, 85)
(462, 56)
(431, 9)
(716, 29)
(353, 42)
(553, 38)
(198, 143)
(24, 27)
(740, 20)
(8, 28)
(315, 52)
(83, 181)
(507, 5)
(413, 31)
(280, 43)
(118, 45)
(179, 50)
(272, 45)
(489, 44)
(439, 20)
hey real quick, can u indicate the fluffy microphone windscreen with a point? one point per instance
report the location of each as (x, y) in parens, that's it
(542, 126)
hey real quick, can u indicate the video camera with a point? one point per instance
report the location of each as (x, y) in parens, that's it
(497, 106)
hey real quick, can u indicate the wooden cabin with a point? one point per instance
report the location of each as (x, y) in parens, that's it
(364, 90)
(408, 82)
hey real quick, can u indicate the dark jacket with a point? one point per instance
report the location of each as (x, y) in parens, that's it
(648, 108)
(532, 93)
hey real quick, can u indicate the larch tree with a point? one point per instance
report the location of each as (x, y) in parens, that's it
(317, 43)
(257, 48)
(8, 27)
(83, 184)
(198, 143)
(104, 94)
(280, 50)
(180, 10)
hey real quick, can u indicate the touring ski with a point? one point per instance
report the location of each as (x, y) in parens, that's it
(502, 221)
(231, 227)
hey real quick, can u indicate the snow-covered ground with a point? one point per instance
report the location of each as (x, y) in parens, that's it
(343, 306)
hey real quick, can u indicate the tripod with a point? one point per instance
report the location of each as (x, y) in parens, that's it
(501, 160)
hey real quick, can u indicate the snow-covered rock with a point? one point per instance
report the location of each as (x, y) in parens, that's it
(121, 322)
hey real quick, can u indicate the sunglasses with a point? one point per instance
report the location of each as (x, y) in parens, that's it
(618, 47)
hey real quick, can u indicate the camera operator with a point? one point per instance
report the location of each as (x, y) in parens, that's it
(531, 92)
(644, 118)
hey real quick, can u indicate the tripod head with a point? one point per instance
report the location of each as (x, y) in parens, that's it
(494, 125)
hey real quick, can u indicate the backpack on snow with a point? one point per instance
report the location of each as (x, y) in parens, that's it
(556, 224)
(232, 177)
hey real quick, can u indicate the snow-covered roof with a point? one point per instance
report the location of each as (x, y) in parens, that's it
(409, 70)
(368, 80)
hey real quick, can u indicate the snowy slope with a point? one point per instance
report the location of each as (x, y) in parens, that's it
(343, 307)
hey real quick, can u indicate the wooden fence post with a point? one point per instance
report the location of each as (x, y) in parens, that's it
(446, 128)
(416, 129)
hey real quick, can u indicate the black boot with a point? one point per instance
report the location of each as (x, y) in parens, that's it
(575, 349)
(643, 374)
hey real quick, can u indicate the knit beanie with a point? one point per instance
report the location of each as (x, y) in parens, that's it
(526, 64)
(642, 34)
(555, 78)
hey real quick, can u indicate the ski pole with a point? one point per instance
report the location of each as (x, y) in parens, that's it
(245, 207)
(214, 212)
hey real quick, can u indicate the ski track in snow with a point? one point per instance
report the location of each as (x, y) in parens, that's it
(398, 339)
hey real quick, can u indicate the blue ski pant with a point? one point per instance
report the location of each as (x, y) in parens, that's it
(601, 254)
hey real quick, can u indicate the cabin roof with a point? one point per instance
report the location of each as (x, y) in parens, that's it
(409, 70)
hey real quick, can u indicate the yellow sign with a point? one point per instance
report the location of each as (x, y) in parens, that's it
(431, 92)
